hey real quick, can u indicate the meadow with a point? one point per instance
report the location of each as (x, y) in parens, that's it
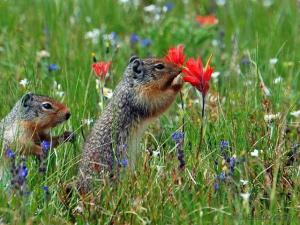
(246, 170)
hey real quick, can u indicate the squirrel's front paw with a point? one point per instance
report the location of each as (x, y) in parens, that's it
(69, 136)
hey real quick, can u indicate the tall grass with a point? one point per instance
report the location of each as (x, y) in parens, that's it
(247, 36)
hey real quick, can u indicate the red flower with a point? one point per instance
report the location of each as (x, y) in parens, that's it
(101, 68)
(175, 55)
(207, 20)
(196, 75)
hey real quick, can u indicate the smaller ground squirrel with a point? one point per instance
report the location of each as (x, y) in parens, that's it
(148, 88)
(30, 121)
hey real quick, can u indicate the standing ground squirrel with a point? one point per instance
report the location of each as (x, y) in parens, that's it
(30, 121)
(148, 88)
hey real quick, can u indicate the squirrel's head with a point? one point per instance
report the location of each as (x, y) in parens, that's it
(43, 112)
(155, 81)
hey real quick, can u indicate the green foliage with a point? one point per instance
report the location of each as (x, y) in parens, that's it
(247, 36)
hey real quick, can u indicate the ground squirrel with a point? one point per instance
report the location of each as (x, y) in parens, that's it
(148, 88)
(30, 121)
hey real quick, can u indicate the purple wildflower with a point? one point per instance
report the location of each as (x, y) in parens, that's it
(169, 6)
(53, 67)
(46, 193)
(123, 162)
(10, 154)
(46, 188)
(122, 155)
(232, 162)
(245, 61)
(178, 137)
(19, 175)
(45, 146)
(145, 42)
(23, 171)
(224, 144)
(216, 186)
(134, 38)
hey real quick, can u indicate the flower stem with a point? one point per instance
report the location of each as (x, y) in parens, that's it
(203, 106)
(202, 126)
(182, 107)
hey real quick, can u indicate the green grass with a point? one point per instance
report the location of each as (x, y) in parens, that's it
(158, 192)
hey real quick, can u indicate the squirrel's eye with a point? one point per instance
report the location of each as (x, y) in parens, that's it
(159, 66)
(47, 106)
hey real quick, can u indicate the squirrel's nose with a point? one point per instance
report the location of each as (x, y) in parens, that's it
(68, 114)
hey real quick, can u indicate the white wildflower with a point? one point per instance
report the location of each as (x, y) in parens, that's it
(244, 182)
(220, 2)
(215, 74)
(245, 196)
(88, 121)
(215, 43)
(160, 169)
(72, 20)
(265, 89)
(271, 117)
(98, 84)
(267, 3)
(273, 61)
(151, 8)
(254, 153)
(156, 153)
(56, 85)
(277, 80)
(42, 54)
(78, 209)
(295, 113)
(60, 93)
(248, 83)
(24, 82)
(88, 19)
(108, 93)
(93, 35)
(110, 37)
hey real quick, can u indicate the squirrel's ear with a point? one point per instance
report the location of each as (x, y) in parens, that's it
(132, 58)
(26, 99)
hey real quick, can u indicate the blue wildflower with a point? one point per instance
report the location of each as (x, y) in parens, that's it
(216, 186)
(45, 146)
(177, 136)
(53, 67)
(232, 164)
(146, 42)
(168, 6)
(222, 176)
(114, 37)
(9, 154)
(46, 189)
(23, 171)
(245, 61)
(134, 38)
(224, 144)
(123, 162)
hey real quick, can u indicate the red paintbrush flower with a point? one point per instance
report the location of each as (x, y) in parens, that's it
(101, 68)
(207, 20)
(175, 55)
(196, 75)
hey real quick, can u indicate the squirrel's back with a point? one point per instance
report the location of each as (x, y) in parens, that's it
(148, 88)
